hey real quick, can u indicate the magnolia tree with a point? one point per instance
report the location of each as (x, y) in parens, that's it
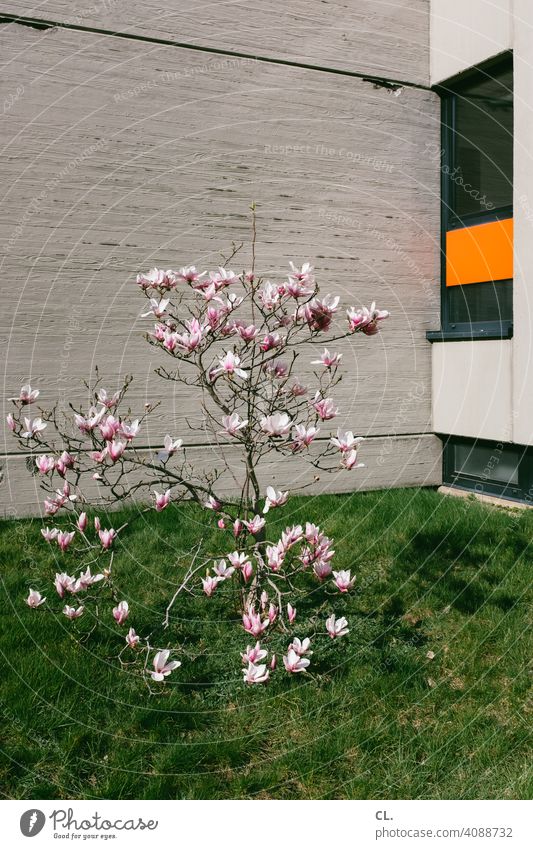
(237, 341)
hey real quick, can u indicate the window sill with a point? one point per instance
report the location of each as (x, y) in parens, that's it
(469, 335)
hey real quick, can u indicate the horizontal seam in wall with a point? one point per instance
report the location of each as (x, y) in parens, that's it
(213, 445)
(42, 24)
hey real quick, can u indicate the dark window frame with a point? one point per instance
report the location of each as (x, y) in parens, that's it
(483, 484)
(454, 330)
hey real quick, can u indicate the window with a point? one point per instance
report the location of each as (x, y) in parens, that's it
(477, 196)
(492, 468)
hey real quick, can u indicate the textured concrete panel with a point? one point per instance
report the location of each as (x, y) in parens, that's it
(387, 38)
(112, 165)
(402, 461)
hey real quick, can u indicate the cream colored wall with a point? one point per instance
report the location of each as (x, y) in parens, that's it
(465, 32)
(472, 389)
(523, 226)
(485, 389)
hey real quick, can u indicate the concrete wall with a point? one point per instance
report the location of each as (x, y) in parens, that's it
(120, 154)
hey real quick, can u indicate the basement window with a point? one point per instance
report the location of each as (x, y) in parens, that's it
(491, 468)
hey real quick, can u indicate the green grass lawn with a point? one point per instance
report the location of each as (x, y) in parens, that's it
(376, 719)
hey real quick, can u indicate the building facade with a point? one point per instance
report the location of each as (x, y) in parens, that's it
(137, 134)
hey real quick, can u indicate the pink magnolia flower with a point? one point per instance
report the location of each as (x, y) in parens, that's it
(82, 522)
(303, 436)
(99, 456)
(44, 464)
(296, 289)
(255, 525)
(319, 312)
(278, 424)
(86, 580)
(64, 462)
(302, 275)
(275, 556)
(88, 423)
(343, 580)
(238, 559)
(190, 274)
(108, 401)
(237, 528)
(170, 446)
(271, 340)
(290, 536)
(170, 341)
(121, 612)
(157, 279)
(214, 317)
(327, 360)
(277, 369)
(35, 599)
(251, 622)
(97, 524)
(107, 537)
(247, 332)
(10, 422)
(191, 339)
(115, 450)
(157, 307)
(272, 613)
(221, 524)
(255, 674)
(222, 278)
(27, 395)
(162, 666)
(233, 424)
(294, 663)
(132, 639)
(269, 295)
(247, 571)
(322, 569)
(49, 533)
(324, 407)
(129, 431)
(274, 499)
(291, 613)
(365, 319)
(109, 427)
(336, 627)
(212, 503)
(64, 583)
(345, 440)
(162, 500)
(64, 539)
(222, 571)
(301, 647)
(252, 655)
(349, 461)
(73, 612)
(273, 662)
(230, 365)
(311, 532)
(33, 427)
(210, 584)
(298, 389)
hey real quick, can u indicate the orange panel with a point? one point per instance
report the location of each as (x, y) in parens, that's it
(480, 254)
